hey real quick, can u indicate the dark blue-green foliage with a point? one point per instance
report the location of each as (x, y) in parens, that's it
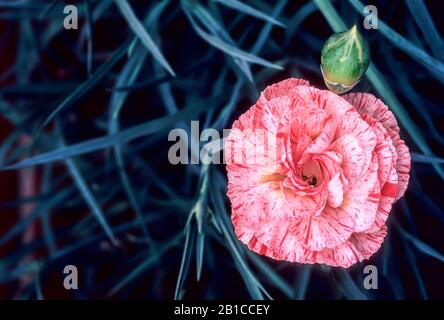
(98, 103)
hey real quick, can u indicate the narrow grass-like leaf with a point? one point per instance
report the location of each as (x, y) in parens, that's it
(46, 218)
(37, 212)
(84, 87)
(127, 76)
(302, 281)
(390, 270)
(264, 34)
(89, 198)
(410, 92)
(422, 17)
(216, 29)
(230, 49)
(247, 9)
(89, 35)
(139, 30)
(434, 65)
(422, 246)
(200, 245)
(270, 274)
(190, 234)
(419, 280)
(302, 13)
(144, 266)
(150, 127)
(22, 270)
(233, 245)
(421, 158)
(349, 287)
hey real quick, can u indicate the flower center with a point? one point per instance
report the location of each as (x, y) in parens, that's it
(311, 180)
(311, 173)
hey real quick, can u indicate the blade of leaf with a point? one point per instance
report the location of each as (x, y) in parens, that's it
(421, 158)
(434, 65)
(302, 281)
(89, 198)
(186, 258)
(272, 276)
(247, 9)
(412, 259)
(230, 49)
(422, 17)
(422, 246)
(147, 128)
(149, 262)
(139, 30)
(200, 246)
(349, 287)
(85, 86)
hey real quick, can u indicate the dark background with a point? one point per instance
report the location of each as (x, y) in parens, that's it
(46, 219)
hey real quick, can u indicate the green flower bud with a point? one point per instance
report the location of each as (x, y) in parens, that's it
(344, 59)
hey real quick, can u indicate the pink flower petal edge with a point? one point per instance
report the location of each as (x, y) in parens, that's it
(320, 186)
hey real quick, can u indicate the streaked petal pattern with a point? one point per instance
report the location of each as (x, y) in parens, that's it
(322, 174)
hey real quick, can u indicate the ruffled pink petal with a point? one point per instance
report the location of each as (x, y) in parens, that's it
(366, 103)
(282, 245)
(353, 156)
(324, 193)
(388, 193)
(384, 149)
(322, 141)
(322, 99)
(369, 243)
(304, 205)
(335, 191)
(402, 167)
(281, 88)
(331, 228)
(358, 247)
(361, 199)
(352, 124)
(344, 255)
(375, 108)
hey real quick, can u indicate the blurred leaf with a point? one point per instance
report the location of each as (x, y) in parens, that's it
(349, 287)
(230, 49)
(190, 235)
(234, 247)
(421, 246)
(89, 198)
(245, 8)
(144, 266)
(435, 66)
(270, 274)
(139, 30)
(199, 254)
(302, 281)
(421, 158)
(422, 17)
(216, 29)
(411, 258)
(85, 86)
(150, 127)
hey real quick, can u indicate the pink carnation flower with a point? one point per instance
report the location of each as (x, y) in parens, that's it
(322, 190)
